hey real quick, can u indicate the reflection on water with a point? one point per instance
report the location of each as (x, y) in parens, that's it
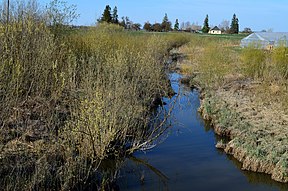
(188, 159)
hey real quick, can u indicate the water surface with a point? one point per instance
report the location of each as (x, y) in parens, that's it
(187, 159)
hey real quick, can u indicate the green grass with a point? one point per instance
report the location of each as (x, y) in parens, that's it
(222, 37)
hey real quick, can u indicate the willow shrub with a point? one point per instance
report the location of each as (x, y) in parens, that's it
(33, 64)
(120, 79)
(89, 94)
(35, 70)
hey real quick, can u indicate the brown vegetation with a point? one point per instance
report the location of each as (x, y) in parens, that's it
(71, 99)
(244, 95)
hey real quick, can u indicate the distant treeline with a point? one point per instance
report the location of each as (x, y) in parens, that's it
(111, 16)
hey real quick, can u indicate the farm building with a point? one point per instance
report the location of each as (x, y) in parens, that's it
(215, 30)
(265, 40)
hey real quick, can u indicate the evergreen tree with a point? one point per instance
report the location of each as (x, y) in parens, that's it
(106, 16)
(166, 24)
(206, 27)
(234, 28)
(115, 16)
(176, 26)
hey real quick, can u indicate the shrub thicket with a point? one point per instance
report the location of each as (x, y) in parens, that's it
(70, 101)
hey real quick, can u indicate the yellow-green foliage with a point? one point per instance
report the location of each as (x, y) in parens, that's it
(215, 64)
(119, 80)
(253, 62)
(186, 69)
(33, 64)
(216, 60)
(280, 60)
(269, 65)
(212, 58)
(88, 93)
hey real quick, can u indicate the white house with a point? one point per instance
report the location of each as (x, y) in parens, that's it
(215, 30)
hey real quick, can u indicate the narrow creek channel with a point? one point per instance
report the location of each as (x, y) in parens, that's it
(187, 159)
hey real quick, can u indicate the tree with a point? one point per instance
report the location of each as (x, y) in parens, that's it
(126, 23)
(60, 13)
(182, 26)
(157, 27)
(106, 16)
(234, 28)
(166, 24)
(136, 26)
(206, 28)
(224, 26)
(147, 26)
(115, 16)
(123, 22)
(176, 26)
(195, 27)
(270, 30)
(247, 30)
(187, 26)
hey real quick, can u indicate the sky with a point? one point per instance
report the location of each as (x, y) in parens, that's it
(255, 14)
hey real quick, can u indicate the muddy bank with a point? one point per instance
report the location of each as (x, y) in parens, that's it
(257, 129)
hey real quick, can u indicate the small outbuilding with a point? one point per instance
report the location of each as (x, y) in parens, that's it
(215, 30)
(265, 40)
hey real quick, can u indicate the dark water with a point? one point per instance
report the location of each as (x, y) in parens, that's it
(188, 159)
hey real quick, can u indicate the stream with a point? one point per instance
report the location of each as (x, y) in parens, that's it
(187, 159)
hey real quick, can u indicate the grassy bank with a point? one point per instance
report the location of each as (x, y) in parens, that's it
(244, 95)
(74, 99)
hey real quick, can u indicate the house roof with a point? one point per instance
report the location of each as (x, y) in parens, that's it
(215, 28)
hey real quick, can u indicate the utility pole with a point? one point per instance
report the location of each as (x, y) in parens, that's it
(7, 19)
(8, 6)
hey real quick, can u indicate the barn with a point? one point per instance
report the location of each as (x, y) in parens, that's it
(265, 40)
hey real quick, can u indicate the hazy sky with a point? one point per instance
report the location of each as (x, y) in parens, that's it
(256, 14)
